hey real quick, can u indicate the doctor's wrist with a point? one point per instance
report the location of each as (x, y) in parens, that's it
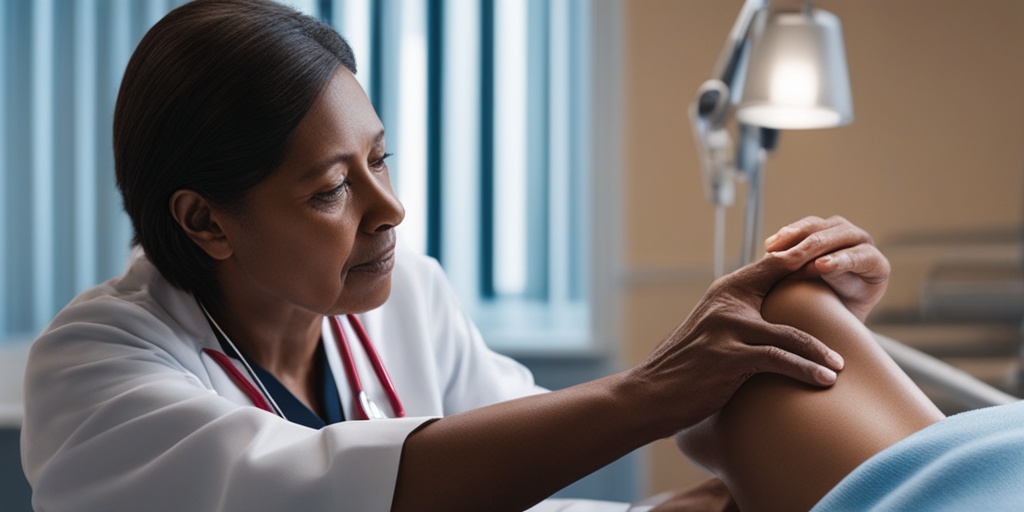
(644, 402)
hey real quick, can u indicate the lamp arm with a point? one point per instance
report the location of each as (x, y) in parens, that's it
(732, 52)
(711, 107)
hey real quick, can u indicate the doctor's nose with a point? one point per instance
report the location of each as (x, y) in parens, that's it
(383, 209)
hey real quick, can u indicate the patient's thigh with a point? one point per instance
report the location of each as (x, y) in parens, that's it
(781, 445)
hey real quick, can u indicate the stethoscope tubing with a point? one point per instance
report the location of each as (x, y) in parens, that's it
(247, 387)
(257, 394)
(361, 403)
(375, 362)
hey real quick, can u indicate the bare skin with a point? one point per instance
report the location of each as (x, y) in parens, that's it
(316, 238)
(781, 445)
(548, 441)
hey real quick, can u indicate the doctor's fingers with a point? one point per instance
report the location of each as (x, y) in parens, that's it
(710, 355)
(738, 341)
(813, 236)
(731, 311)
(751, 283)
(791, 352)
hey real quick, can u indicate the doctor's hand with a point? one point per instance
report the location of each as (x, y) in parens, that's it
(841, 254)
(723, 342)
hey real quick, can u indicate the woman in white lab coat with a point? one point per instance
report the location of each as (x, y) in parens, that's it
(214, 374)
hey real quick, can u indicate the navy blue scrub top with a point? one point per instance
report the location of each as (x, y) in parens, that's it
(294, 410)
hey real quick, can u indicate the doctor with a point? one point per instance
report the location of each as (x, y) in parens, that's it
(230, 366)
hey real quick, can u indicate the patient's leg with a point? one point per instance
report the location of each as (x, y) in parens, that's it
(781, 445)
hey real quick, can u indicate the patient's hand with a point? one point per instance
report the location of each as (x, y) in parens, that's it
(857, 271)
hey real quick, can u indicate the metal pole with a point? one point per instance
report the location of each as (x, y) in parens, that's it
(755, 207)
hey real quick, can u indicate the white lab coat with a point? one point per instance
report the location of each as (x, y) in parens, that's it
(124, 412)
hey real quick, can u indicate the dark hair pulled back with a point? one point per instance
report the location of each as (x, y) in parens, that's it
(208, 102)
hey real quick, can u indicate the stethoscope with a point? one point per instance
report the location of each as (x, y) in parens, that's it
(365, 408)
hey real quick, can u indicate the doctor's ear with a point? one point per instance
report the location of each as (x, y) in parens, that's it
(198, 219)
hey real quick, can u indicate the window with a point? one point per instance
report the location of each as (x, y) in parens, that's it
(61, 224)
(488, 104)
(499, 153)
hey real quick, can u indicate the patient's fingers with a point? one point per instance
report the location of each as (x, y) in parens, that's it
(791, 234)
(864, 260)
(858, 274)
(837, 251)
(825, 241)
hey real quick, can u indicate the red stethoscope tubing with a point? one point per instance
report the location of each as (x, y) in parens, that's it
(236, 376)
(345, 351)
(350, 367)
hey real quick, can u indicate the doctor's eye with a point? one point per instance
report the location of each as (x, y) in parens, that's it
(331, 195)
(380, 163)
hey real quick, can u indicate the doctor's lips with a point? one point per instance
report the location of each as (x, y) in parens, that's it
(380, 263)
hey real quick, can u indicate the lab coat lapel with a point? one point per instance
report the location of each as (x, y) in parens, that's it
(221, 382)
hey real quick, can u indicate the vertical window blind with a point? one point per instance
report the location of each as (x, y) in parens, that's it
(488, 107)
(61, 222)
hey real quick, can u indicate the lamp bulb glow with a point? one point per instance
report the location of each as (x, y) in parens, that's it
(794, 83)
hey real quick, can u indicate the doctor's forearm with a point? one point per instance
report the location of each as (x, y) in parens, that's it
(511, 455)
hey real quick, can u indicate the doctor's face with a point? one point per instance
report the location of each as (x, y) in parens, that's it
(318, 232)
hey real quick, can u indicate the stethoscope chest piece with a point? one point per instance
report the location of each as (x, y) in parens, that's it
(370, 407)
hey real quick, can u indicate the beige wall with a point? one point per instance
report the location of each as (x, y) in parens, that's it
(937, 143)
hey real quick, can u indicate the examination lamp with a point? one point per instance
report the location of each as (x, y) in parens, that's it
(779, 70)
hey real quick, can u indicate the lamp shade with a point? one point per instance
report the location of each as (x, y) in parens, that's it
(796, 74)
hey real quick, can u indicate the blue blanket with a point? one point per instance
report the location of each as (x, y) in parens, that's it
(970, 461)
